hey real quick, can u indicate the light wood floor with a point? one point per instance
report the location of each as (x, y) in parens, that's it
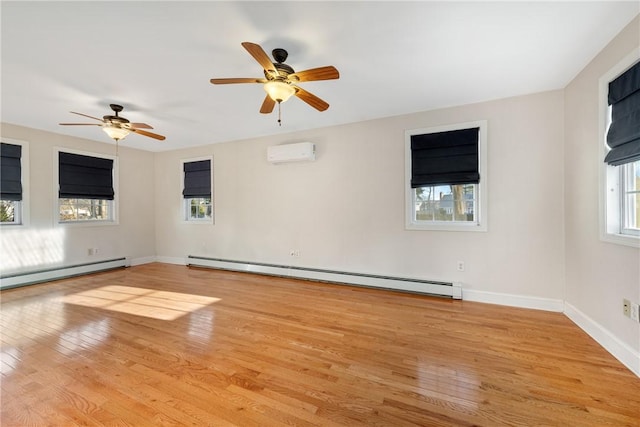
(168, 345)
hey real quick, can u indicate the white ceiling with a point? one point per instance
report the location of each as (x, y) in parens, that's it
(156, 58)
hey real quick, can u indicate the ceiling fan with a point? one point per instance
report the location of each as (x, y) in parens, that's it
(280, 80)
(117, 127)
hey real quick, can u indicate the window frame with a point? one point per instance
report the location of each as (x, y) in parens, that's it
(481, 189)
(186, 202)
(22, 205)
(112, 204)
(611, 179)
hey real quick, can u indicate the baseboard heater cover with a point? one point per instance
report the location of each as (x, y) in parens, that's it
(443, 289)
(60, 272)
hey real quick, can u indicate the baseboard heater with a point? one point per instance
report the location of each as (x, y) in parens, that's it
(54, 273)
(443, 289)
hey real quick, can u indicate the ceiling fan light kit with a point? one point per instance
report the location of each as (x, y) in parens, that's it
(115, 132)
(279, 91)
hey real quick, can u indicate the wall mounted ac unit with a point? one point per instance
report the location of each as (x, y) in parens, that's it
(301, 151)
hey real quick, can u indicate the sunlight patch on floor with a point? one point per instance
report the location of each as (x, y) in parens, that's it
(163, 305)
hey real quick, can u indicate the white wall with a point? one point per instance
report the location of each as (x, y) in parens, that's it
(43, 243)
(345, 211)
(598, 274)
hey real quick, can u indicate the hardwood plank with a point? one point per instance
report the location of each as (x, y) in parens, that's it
(169, 345)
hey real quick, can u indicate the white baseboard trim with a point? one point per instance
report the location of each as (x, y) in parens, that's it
(522, 301)
(59, 272)
(618, 349)
(171, 260)
(142, 260)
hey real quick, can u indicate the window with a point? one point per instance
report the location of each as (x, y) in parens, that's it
(198, 205)
(446, 203)
(198, 208)
(13, 176)
(445, 178)
(85, 210)
(620, 170)
(631, 198)
(85, 188)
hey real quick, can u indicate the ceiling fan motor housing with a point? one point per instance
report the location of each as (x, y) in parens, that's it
(280, 55)
(283, 72)
(115, 119)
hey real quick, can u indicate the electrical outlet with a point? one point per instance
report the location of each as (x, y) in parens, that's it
(294, 252)
(95, 251)
(626, 307)
(634, 312)
(460, 265)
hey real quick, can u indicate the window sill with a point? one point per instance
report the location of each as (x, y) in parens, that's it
(412, 226)
(621, 239)
(104, 223)
(198, 222)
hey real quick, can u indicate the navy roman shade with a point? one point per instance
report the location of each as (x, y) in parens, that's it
(623, 136)
(445, 158)
(85, 177)
(10, 172)
(197, 179)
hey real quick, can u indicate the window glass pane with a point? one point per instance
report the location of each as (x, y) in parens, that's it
(634, 176)
(67, 210)
(446, 203)
(85, 210)
(632, 219)
(631, 201)
(7, 211)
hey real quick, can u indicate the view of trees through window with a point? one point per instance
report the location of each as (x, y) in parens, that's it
(84, 210)
(446, 203)
(199, 208)
(7, 211)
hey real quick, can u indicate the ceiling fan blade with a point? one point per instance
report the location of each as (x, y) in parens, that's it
(80, 124)
(85, 115)
(140, 126)
(237, 80)
(267, 105)
(311, 99)
(259, 55)
(322, 73)
(149, 134)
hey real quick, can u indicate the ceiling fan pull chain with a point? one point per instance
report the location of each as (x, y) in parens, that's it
(279, 114)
